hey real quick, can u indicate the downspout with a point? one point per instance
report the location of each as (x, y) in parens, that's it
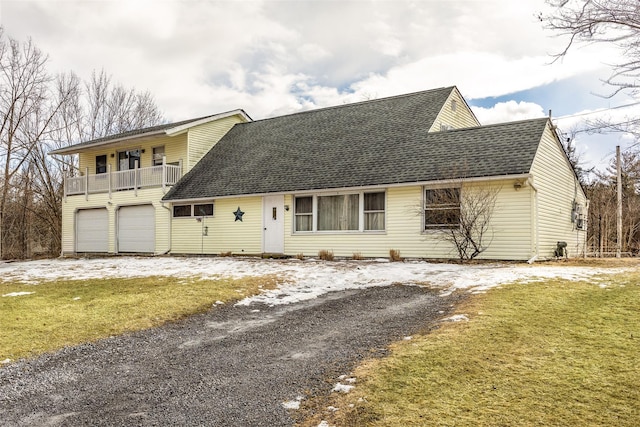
(535, 202)
(169, 231)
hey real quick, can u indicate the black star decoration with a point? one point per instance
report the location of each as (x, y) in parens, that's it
(238, 213)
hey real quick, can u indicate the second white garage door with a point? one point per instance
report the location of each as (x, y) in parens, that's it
(136, 229)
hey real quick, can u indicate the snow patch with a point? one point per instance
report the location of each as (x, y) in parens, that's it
(457, 318)
(342, 388)
(301, 280)
(293, 404)
(17, 294)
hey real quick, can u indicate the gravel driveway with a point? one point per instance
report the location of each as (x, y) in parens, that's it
(232, 366)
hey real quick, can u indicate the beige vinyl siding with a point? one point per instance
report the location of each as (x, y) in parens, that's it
(224, 233)
(203, 137)
(557, 189)
(462, 117)
(122, 198)
(175, 151)
(510, 229)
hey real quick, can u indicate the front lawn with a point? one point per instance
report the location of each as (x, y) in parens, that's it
(51, 315)
(556, 353)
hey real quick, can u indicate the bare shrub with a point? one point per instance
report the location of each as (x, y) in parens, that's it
(394, 255)
(325, 255)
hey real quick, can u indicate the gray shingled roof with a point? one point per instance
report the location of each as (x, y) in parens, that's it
(148, 131)
(378, 142)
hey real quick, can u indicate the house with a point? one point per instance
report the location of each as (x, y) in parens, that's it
(364, 178)
(355, 179)
(115, 205)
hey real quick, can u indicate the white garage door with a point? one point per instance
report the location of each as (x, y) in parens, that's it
(92, 230)
(137, 229)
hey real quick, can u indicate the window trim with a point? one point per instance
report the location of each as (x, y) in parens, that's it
(106, 164)
(442, 206)
(361, 213)
(153, 155)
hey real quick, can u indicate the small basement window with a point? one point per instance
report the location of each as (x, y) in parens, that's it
(197, 210)
(180, 211)
(203, 209)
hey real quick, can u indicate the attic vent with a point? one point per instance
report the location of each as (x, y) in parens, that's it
(454, 105)
(444, 127)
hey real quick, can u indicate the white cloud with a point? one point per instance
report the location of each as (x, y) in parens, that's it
(274, 57)
(508, 111)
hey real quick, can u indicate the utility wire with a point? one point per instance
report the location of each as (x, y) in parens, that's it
(597, 111)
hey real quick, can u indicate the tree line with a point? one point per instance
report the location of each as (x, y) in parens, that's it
(40, 112)
(614, 23)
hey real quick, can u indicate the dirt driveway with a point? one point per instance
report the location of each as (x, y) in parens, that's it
(233, 366)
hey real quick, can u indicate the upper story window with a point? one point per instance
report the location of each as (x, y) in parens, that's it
(441, 208)
(101, 164)
(344, 212)
(454, 105)
(158, 154)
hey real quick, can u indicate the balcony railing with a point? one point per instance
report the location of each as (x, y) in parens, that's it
(133, 179)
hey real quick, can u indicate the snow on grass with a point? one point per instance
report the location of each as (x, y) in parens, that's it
(301, 280)
(293, 404)
(17, 294)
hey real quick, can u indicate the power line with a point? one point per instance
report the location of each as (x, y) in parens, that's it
(597, 111)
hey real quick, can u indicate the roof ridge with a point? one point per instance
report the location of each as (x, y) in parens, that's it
(352, 104)
(492, 125)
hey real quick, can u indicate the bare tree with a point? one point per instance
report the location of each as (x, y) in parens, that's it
(39, 113)
(462, 216)
(23, 111)
(113, 109)
(614, 22)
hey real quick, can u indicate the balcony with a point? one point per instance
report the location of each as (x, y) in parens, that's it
(127, 180)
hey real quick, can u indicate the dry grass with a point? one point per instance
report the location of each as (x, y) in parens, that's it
(357, 256)
(300, 256)
(65, 313)
(394, 255)
(560, 353)
(325, 255)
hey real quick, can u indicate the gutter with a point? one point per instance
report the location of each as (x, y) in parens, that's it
(168, 231)
(339, 190)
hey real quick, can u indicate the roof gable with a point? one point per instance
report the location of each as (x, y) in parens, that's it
(378, 142)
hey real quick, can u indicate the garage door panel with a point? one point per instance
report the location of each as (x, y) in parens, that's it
(92, 230)
(136, 229)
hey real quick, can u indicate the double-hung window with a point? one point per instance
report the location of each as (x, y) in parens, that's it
(441, 208)
(303, 213)
(343, 212)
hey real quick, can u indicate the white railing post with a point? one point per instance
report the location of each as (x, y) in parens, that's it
(109, 176)
(164, 173)
(135, 178)
(86, 184)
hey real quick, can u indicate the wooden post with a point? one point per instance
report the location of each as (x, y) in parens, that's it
(619, 210)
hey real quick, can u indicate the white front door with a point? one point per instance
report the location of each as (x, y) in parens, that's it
(273, 224)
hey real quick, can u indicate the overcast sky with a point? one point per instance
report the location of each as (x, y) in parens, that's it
(275, 57)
